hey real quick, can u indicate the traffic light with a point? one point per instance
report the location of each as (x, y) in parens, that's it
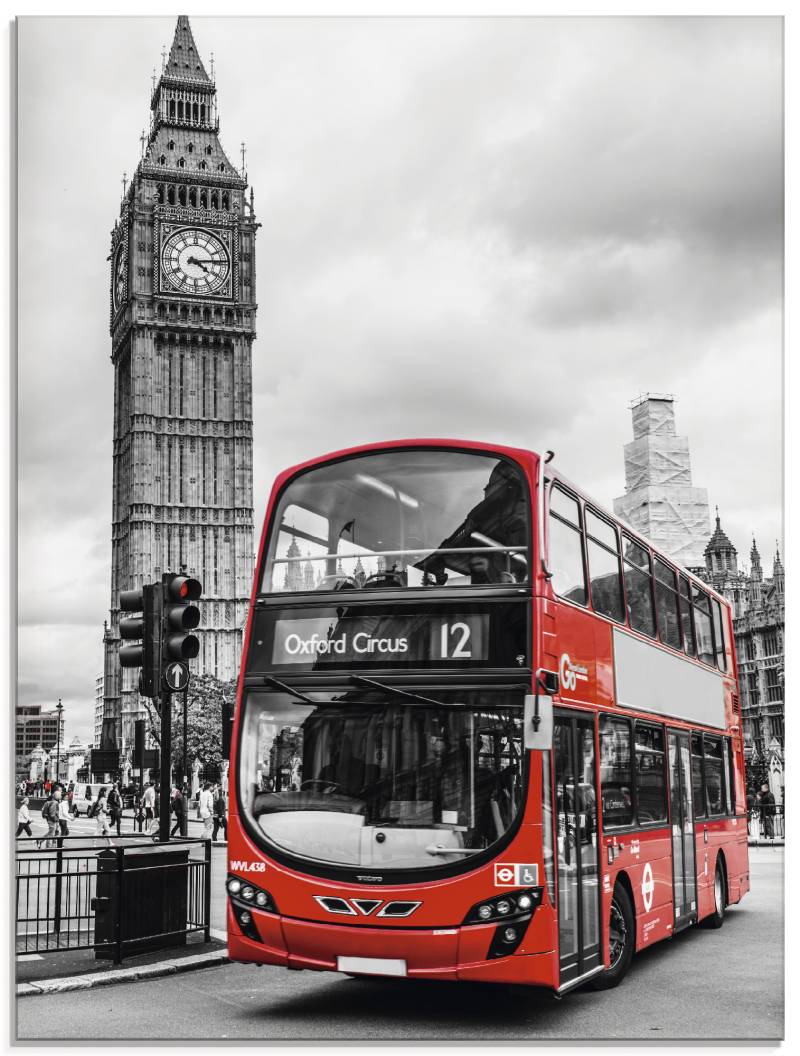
(147, 628)
(178, 617)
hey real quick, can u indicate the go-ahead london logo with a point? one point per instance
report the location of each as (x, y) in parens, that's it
(571, 673)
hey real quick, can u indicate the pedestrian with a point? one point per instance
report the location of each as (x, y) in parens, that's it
(63, 815)
(149, 803)
(205, 807)
(220, 821)
(24, 818)
(176, 807)
(767, 805)
(50, 813)
(114, 801)
(101, 813)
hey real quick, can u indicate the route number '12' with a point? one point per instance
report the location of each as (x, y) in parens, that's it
(455, 641)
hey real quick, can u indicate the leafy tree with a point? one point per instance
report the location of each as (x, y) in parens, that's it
(206, 696)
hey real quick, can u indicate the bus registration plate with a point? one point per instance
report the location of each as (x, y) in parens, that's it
(371, 966)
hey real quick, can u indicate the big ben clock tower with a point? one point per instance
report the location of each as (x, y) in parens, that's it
(182, 326)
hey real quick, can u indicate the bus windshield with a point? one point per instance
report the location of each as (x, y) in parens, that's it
(399, 519)
(366, 778)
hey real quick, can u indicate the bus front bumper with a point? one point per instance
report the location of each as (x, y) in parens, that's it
(438, 953)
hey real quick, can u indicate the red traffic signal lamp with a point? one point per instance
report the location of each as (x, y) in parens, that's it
(179, 616)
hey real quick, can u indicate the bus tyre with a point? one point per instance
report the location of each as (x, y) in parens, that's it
(716, 918)
(621, 940)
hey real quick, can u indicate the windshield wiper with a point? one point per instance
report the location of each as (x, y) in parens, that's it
(399, 692)
(270, 681)
(436, 848)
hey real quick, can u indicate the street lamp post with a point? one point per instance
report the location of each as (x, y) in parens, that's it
(60, 710)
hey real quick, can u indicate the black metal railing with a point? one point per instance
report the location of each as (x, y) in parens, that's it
(120, 895)
(767, 823)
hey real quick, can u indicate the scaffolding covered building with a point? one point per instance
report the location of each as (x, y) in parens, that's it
(660, 500)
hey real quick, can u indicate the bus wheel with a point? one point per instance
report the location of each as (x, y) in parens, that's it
(715, 919)
(621, 940)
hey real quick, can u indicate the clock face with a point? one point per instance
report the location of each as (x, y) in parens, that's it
(195, 261)
(119, 277)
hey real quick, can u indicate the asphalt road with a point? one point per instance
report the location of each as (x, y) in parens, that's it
(703, 984)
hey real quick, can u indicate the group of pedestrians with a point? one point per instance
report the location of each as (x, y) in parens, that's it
(761, 808)
(107, 811)
(55, 813)
(212, 810)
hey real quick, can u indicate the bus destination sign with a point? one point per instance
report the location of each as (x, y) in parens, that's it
(331, 639)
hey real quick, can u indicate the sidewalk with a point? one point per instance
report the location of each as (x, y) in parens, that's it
(80, 969)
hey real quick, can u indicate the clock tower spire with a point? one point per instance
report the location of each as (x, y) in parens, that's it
(182, 325)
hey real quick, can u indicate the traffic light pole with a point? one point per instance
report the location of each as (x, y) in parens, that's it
(185, 781)
(166, 776)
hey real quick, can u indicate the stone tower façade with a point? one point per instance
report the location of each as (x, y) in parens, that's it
(182, 327)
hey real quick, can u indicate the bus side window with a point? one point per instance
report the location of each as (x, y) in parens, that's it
(566, 547)
(605, 574)
(727, 787)
(719, 639)
(639, 588)
(702, 626)
(651, 781)
(616, 775)
(712, 762)
(687, 623)
(667, 605)
(698, 789)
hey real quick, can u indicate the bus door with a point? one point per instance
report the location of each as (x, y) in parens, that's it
(576, 821)
(684, 875)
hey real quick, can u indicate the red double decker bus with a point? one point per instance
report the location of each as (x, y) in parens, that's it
(484, 730)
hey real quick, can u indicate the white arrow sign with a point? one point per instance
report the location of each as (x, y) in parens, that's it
(176, 676)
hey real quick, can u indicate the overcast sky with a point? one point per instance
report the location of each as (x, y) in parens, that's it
(494, 229)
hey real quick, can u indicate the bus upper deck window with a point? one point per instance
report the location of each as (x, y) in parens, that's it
(638, 587)
(400, 519)
(702, 625)
(566, 547)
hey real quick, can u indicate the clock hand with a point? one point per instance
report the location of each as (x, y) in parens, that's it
(199, 263)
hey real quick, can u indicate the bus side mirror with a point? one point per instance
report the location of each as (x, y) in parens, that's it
(548, 682)
(538, 721)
